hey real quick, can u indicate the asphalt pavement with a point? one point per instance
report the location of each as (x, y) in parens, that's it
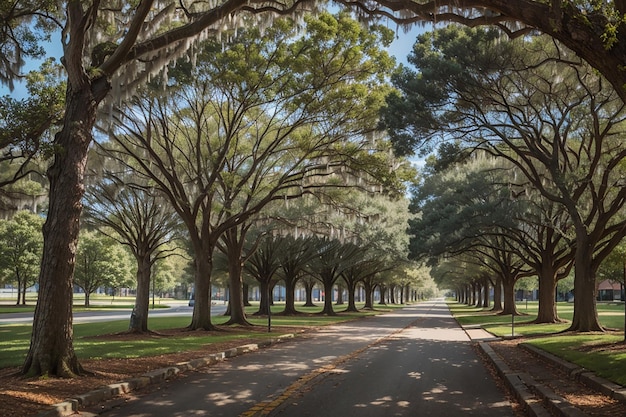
(415, 361)
(176, 309)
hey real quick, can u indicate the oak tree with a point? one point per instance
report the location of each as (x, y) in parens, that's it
(115, 46)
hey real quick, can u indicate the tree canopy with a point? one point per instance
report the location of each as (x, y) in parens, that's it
(532, 103)
(117, 46)
(21, 242)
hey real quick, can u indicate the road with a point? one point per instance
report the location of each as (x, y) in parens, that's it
(414, 362)
(110, 315)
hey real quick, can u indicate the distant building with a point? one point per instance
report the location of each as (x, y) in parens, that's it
(609, 290)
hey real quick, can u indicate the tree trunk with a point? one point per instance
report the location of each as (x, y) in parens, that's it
(476, 300)
(497, 295)
(369, 295)
(485, 293)
(24, 293)
(87, 294)
(201, 318)
(508, 288)
(547, 296)
(51, 348)
(139, 316)
(351, 297)
(237, 310)
(264, 304)
(383, 294)
(328, 298)
(308, 289)
(272, 285)
(290, 295)
(19, 290)
(339, 295)
(585, 290)
(246, 294)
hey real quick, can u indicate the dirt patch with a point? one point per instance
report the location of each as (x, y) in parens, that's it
(22, 397)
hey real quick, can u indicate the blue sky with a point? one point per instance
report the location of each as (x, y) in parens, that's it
(403, 43)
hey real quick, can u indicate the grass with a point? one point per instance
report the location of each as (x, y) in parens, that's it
(591, 351)
(97, 302)
(15, 339)
(602, 353)
(611, 316)
(4, 309)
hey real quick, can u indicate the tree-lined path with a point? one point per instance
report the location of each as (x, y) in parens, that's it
(415, 361)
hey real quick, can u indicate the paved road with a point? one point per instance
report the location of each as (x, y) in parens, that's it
(110, 315)
(414, 362)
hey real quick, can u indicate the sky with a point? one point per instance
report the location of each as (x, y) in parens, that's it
(403, 43)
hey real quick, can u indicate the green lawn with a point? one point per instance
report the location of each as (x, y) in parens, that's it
(15, 339)
(97, 302)
(591, 351)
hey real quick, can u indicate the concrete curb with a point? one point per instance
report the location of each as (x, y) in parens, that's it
(517, 383)
(606, 387)
(527, 390)
(74, 405)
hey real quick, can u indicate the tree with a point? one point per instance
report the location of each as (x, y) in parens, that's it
(458, 205)
(563, 133)
(308, 281)
(332, 259)
(367, 268)
(463, 210)
(353, 275)
(546, 249)
(293, 262)
(233, 245)
(105, 47)
(100, 262)
(256, 125)
(166, 273)
(592, 29)
(500, 256)
(27, 125)
(124, 54)
(140, 219)
(21, 242)
(378, 224)
(263, 265)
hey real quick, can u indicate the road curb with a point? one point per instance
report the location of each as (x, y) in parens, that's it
(526, 389)
(606, 387)
(74, 405)
(516, 382)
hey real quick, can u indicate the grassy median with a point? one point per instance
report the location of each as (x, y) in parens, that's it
(602, 353)
(91, 340)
